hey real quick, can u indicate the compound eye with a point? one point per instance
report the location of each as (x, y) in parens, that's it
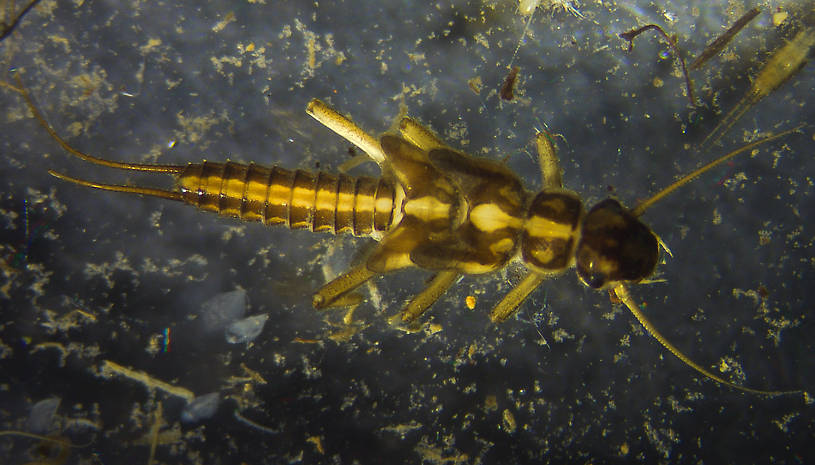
(591, 275)
(595, 281)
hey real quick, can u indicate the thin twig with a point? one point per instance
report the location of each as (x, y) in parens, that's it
(629, 36)
(8, 28)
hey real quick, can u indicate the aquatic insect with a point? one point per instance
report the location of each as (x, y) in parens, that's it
(781, 66)
(434, 208)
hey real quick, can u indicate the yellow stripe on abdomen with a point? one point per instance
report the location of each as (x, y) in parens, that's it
(299, 199)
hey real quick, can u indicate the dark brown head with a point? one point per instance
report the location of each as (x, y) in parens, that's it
(614, 246)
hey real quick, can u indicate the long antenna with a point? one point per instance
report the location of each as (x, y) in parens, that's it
(648, 203)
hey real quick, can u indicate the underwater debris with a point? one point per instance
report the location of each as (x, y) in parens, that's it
(246, 330)
(221, 310)
(201, 408)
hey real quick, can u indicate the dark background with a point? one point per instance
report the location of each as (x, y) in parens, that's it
(580, 378)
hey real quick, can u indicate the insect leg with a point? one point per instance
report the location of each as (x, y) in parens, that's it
(552, 179)
(509, 304)
(419, 135)
(430, 294)
(353, 162)
(346, 128)
(550, 165)
(332, 292)
(348, 300)
(622, 293)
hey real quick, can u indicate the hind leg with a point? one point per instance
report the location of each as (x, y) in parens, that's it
(347, 129)
(429, 295)
(334, 293)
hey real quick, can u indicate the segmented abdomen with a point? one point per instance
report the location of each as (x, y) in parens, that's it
(298, 199)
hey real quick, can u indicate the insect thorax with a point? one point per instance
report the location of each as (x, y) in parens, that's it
(551, 230)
